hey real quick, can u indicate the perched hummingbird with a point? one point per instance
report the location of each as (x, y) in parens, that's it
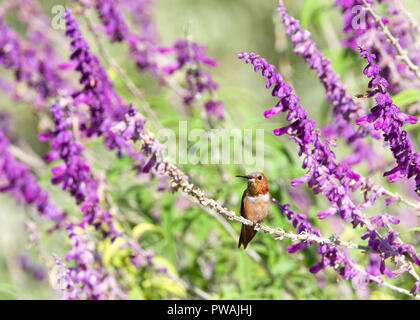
(254, 204)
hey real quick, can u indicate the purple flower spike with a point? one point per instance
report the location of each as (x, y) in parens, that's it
(324, 175)
(344, 108)
(191, 55)
(368, 33)
(389, 119)
(17, 179)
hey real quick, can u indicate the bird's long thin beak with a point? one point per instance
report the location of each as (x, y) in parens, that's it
(246, 177)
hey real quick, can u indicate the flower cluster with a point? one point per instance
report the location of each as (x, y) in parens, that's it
(362, 29)
(87, 279)
(16, 178)
(389, 119)
(331, 255)
(344, 108)
(27, 66)
(143, 46)
(73, 173)
(335, 181)
(142, 16)
(37, 272)
(65, 282)
(319, 159)
(191, 55)
(97, 92)
(105, 105)
(112, 20)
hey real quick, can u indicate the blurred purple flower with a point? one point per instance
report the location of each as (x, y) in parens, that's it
(38, 273)
(17, 179)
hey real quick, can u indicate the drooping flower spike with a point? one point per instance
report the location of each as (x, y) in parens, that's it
(388, 118)
(189, 55)
(361, 28)
(17, 180)
(324, 175)
(344, 110)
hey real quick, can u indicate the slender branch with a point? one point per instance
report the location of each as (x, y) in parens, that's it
(402, 54)
(414, 205)
(29, 159)
(179, 183)
(381, 282)
(279, 234)
(251, 253)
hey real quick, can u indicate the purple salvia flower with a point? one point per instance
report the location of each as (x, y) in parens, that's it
(192, 55)
(335, 181)
(65, 282)
(367, 33)
(143, 44)
(143, 47)
(344, 108)
(112, 19)
(73, 174)
(377, 266)
(106, 109)
(98, 93)
(37, 272)
(387, 118)
(330, 256)
(89, 274)
(144, 50)
(16, 178)
(27, 66)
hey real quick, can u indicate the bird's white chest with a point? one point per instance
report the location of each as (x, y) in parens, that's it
(256, 208)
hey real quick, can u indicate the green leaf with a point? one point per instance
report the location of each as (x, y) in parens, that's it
(411, 230)
(112, 250)
(406, 97)
(167, 285)
(144, 227)
(312, 10)
(165, 263)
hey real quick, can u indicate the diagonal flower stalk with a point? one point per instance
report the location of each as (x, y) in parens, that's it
(132, 128)
(324, 175)
(389, 119)
(402, 54)
(179, 182)
(344, 110)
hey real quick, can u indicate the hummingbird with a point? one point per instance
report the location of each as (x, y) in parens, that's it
(254, 205)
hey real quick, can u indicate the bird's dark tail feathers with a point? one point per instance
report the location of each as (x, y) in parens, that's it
(247, 233)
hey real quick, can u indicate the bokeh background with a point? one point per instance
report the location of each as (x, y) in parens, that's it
(194, 245)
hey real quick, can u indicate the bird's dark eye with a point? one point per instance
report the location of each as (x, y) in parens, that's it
(259, 178)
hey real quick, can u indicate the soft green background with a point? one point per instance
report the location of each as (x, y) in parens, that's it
(191, 243)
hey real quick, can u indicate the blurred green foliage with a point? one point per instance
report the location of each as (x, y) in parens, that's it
(190, 243)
